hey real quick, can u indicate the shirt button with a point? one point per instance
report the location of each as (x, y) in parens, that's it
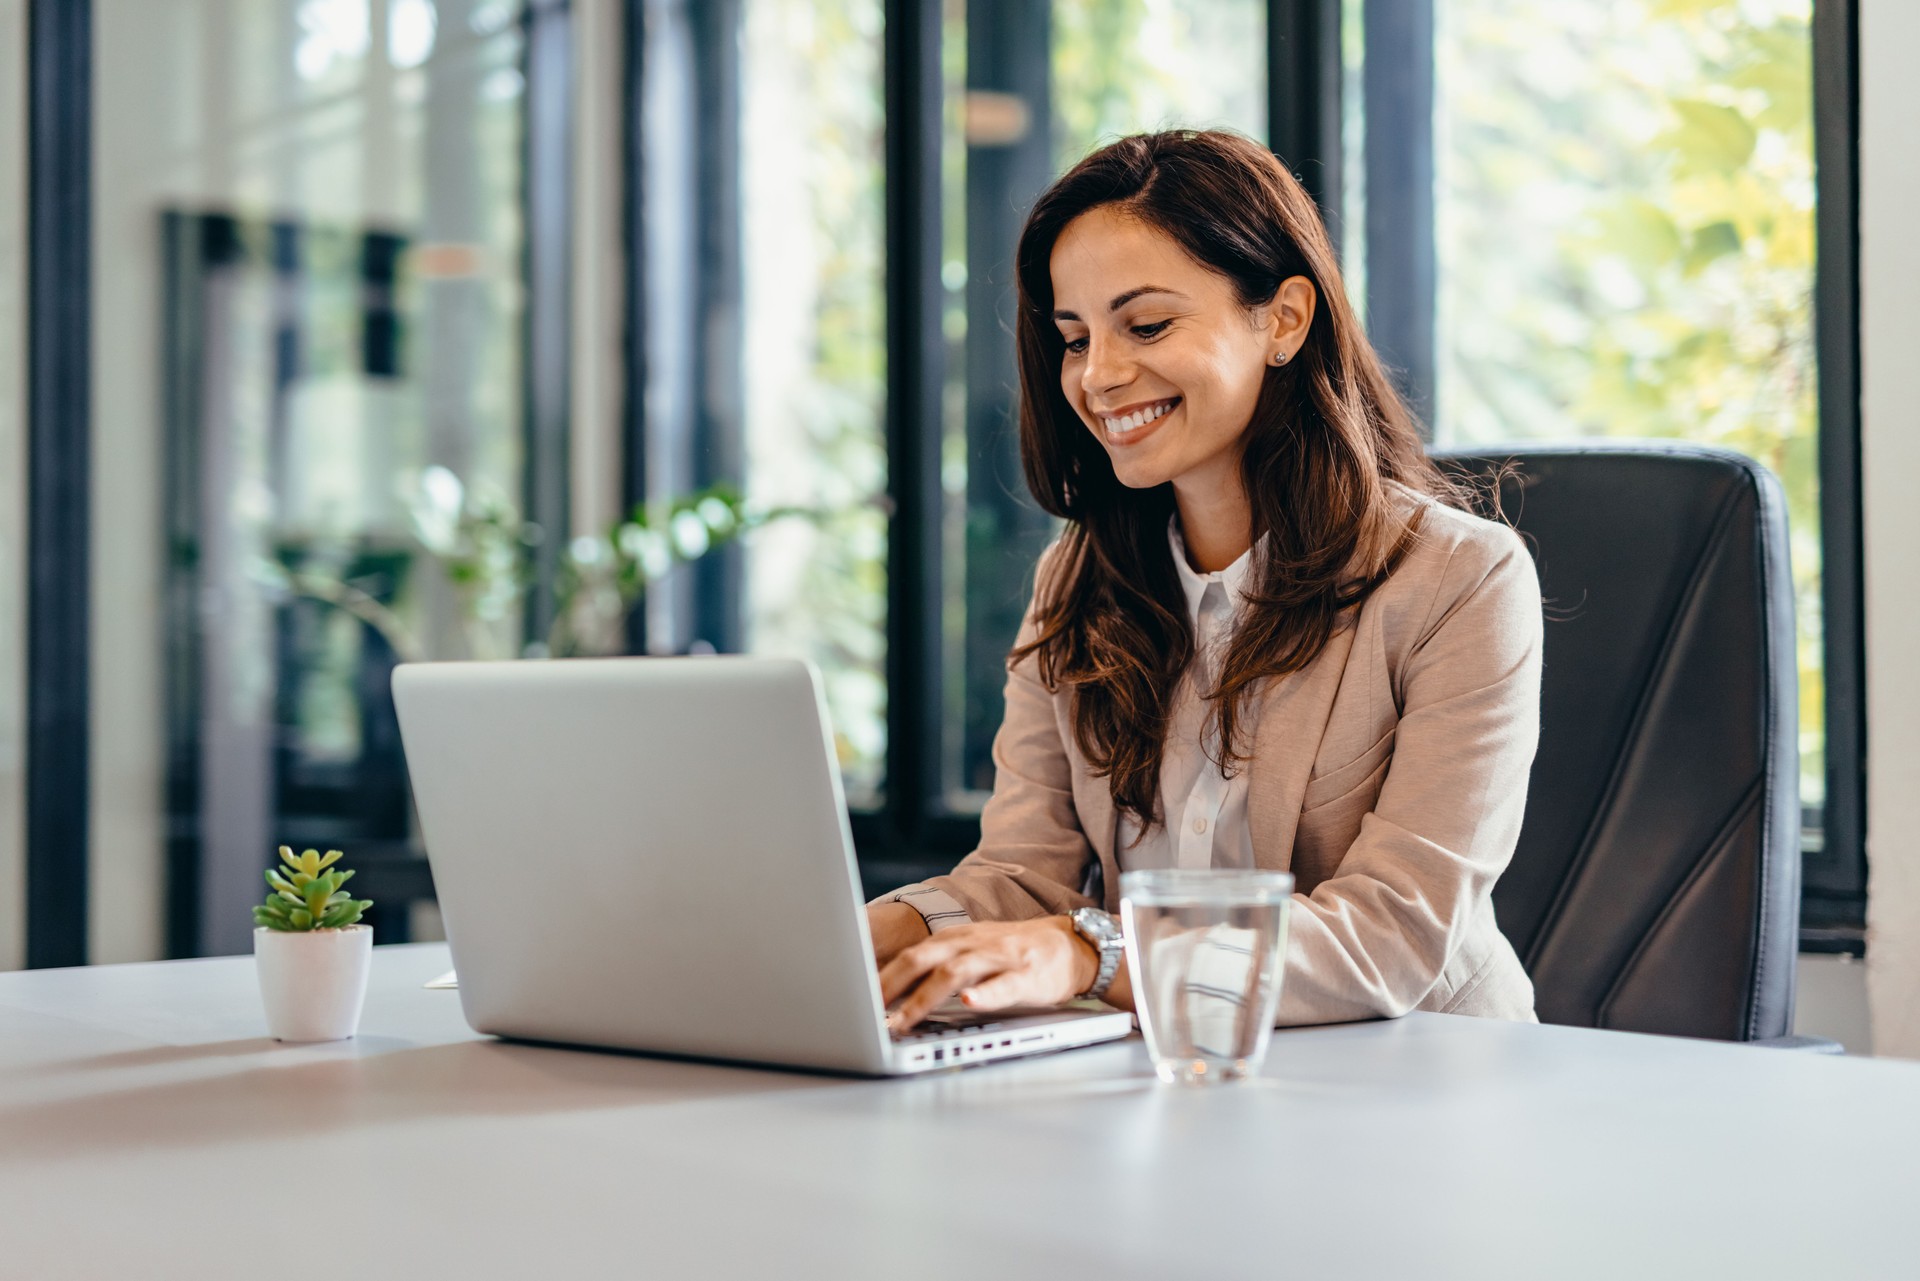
(1200, 825)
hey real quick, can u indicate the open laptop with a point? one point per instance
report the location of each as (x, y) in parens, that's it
(653, 854)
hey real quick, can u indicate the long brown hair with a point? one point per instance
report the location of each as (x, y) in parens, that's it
(1328, 433)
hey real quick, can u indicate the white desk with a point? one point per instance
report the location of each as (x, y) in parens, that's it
(148, 1130)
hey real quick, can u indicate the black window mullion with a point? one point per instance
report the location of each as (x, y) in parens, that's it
(548, 204)
(1303, 99)
(1835, 876)
(59, 459)
(1398, 94)
(633, 235)
(720, 443)
(915, 370)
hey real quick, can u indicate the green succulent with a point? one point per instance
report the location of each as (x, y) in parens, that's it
(306, 896)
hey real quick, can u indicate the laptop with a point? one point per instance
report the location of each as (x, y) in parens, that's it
(653, 854)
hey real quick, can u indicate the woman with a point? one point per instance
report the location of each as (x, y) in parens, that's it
(1271, 634)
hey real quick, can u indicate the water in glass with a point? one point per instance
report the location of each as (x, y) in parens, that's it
(1205, 952)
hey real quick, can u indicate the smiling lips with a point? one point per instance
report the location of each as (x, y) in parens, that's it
(1126, 429)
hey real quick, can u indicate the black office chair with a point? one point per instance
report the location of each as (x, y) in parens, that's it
(1656, 886)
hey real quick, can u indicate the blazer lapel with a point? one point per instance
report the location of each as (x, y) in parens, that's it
(1286, 740)
(1293, 714)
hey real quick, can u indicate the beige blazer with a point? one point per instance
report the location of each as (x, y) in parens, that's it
(1388, 776)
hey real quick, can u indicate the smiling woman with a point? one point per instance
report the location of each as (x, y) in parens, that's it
(1270, 636)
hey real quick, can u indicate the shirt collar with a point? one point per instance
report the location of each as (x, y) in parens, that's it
(1231, 579)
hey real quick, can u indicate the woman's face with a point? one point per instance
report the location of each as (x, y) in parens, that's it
(1163, 362)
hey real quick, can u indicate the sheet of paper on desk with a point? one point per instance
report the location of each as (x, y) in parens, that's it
(449, 980)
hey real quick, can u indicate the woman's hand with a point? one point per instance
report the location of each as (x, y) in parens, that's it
(894, 927)
(991, 965)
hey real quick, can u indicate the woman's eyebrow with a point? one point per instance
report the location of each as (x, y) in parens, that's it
(1123, 299)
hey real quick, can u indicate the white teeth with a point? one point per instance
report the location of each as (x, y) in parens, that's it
(1139, 418)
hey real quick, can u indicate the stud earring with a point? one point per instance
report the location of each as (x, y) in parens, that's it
(1279, 357)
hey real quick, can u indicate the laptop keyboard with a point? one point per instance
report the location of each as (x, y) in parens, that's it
(943, 1023)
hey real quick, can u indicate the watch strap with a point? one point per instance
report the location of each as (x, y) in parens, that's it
(1099, 929)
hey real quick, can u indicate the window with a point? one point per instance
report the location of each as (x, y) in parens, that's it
(1624, 225)
(1594, 219)
(761, 261)
(813, 363)
(307, 250)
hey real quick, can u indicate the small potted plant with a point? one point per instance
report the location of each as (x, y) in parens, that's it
(312, 952)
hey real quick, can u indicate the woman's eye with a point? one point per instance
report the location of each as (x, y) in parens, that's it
(1076, 345)
(1149, 331)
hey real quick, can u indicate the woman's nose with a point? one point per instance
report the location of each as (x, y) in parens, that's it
(1108, 366)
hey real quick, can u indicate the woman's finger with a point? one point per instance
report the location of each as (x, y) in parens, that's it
(912, 964)
(939, 985)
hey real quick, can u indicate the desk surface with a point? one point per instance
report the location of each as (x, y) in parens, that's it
(147, 1129)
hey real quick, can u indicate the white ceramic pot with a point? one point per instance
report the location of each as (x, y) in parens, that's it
(313, 982)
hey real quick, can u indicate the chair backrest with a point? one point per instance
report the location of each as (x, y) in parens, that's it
(1656, 886)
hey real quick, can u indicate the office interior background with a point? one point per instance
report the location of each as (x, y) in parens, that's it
(347, 332)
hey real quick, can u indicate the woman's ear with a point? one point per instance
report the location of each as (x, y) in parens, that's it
(1289, 314)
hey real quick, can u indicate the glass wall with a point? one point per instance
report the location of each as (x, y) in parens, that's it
(1030, 89)
(307, 407)
(13, 482)
(1625, 241)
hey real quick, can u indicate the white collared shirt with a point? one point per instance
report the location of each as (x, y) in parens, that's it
(1205, 812)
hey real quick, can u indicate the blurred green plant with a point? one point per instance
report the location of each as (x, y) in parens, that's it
(486, 552)
(305, 895)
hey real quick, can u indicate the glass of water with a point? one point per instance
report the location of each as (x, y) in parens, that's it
(1205, 949)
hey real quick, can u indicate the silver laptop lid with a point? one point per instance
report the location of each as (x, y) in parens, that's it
(649, 853)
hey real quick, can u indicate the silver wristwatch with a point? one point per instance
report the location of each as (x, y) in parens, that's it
(1097, 928)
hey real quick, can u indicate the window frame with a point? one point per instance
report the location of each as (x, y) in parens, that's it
(59, 468)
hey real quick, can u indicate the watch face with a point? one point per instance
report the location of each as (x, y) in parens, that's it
(1096, 925)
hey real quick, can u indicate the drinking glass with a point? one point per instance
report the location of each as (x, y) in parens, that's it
(1205, 948)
